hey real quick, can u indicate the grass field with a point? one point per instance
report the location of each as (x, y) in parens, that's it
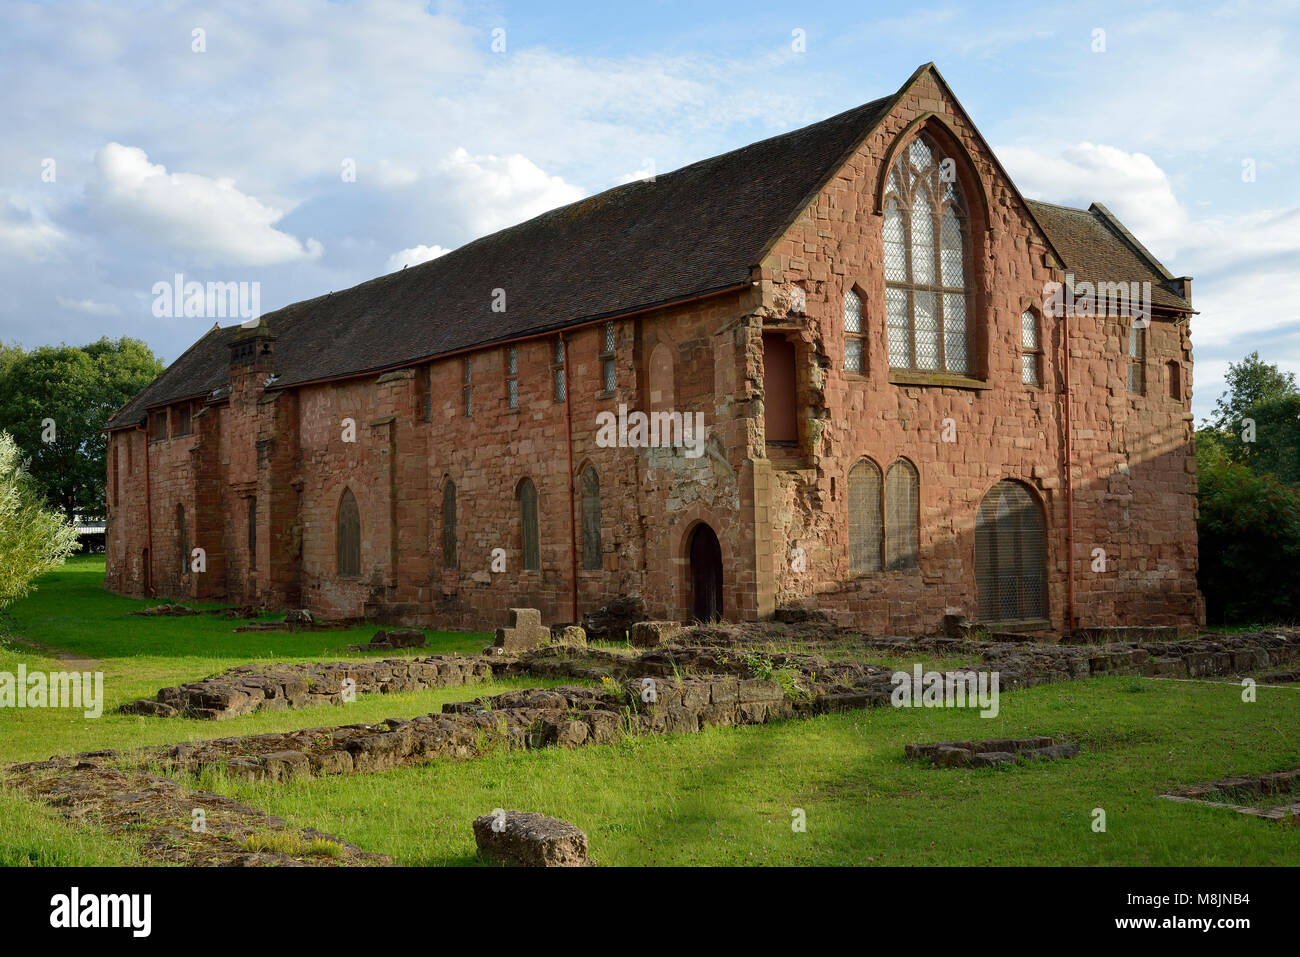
(724, 796)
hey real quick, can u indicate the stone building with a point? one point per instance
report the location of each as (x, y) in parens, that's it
(899, 418)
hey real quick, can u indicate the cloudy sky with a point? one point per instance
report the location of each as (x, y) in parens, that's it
(309, 145)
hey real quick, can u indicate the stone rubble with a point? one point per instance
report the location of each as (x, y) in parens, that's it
(133, 802)
(990, 753)
(248, 688)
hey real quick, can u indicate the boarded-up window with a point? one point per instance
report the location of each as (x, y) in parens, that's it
(1175, 381)
(252, 534)
(1137, 354)
(1010, 555)
(158, 425)
(182, 539)
(901, 515)
(592, 558)
(660, 377)
(349, 536)
(469, 388)
(866, 531)
(424, 392)
(531, 539)
(184, 413)
(449, 524)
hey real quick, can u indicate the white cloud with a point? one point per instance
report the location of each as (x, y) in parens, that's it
(1244, 264)
(499, 191)
(89, 306)
(414, 255)
(1130, 185)
(24, 235)
(189, 213)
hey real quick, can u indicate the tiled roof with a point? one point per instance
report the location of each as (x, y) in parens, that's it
(1095, 247)
(692, 231)
(696, 230)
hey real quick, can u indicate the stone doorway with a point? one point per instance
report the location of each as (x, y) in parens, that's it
(706, 574)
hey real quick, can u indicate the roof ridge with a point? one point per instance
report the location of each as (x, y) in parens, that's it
(1111, 221)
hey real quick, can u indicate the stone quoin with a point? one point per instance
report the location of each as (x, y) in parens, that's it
(896, 427)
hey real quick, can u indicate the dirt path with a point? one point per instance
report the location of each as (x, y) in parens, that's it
(76, 661)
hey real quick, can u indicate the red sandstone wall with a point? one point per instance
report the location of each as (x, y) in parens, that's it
(286, 449)
(1145, 521)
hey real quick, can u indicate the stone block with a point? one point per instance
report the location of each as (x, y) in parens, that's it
(651, 634)
(530, 840)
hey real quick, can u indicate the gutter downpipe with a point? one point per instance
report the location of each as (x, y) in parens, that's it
(573, 533)
(148, 516)
(1070, 622)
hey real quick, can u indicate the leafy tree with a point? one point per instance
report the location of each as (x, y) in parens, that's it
(33, 539)
(1250, 383)
(55, 401)
(1257, 420)
(1249, 544)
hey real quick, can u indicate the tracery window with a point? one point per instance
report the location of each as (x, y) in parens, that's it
(927, 285)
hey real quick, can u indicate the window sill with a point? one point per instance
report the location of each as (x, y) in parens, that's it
(942, 379)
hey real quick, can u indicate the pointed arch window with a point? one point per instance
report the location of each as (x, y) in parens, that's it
(927, 276)
(902, 515)
(449, 525)
(866, 530)
(349, 536)
(589, 483)
(530, 533)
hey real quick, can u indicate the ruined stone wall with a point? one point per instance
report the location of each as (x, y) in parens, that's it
(1003, 429)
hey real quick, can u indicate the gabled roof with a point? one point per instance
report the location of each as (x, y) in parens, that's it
(1095, 247)
(698, 230)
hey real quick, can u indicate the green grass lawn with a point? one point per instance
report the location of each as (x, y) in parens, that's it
(724, 796)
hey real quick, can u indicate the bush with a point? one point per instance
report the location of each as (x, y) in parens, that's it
(1249, 545)
(32, 539)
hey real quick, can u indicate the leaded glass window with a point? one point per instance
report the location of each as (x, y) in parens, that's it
(927, 278)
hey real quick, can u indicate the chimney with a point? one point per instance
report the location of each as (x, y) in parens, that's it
(251, 349)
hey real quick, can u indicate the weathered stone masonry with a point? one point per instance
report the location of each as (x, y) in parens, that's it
(260, 475)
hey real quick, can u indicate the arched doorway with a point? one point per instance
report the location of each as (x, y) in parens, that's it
(1010, 555)
(706, 574)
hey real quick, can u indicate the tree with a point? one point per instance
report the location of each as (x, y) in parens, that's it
(55, 401)
(1257, 421)
(1249, 529)
(1250, 383)
(33, 539)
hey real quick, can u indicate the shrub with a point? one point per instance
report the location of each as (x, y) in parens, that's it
(33, 539)
(1249, 545)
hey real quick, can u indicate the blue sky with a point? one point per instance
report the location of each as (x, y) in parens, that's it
(225, 164)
